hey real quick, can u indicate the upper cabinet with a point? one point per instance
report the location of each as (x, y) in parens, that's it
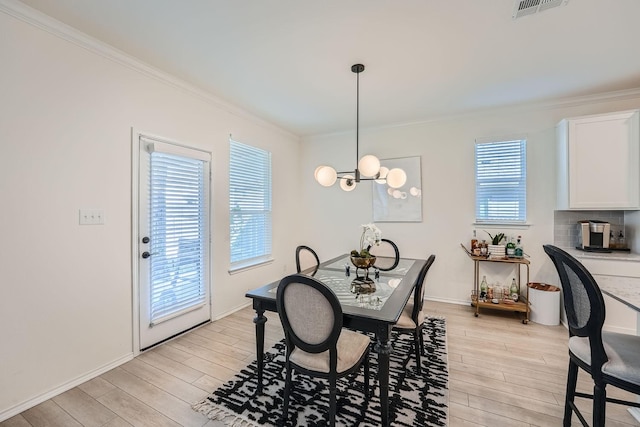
(599, 162)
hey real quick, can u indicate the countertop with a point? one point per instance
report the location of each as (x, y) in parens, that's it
(613, 256)
(622, 288)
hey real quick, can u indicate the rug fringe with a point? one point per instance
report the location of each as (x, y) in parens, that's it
(220, 413)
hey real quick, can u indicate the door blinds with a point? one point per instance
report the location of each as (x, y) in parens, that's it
(178, 215)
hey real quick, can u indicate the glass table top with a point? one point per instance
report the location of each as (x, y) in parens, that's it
(404, 265)
(353, 291)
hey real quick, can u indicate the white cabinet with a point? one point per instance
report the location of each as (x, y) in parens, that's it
(599, 162)
(619, 317)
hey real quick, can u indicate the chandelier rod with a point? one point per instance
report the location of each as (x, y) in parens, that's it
(358, 111)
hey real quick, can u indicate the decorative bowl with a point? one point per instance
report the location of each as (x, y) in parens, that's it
(362, 285)
(360, 262)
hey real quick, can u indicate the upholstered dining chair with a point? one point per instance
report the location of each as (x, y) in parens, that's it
(609, 357)
(306, 258)
(317, 345)
(389, 251)
(412, 317)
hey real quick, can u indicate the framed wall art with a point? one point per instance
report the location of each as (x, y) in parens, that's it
(402, 204)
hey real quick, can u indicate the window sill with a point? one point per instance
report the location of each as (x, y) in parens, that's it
(240, 267)
(508, 225)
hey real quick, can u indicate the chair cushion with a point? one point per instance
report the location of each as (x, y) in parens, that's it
(350, 348)
(622, 351)
(405, 321)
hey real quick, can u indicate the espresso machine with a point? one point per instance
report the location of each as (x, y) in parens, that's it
(593, 236)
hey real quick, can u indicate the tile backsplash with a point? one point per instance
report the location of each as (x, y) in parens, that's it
(565, 230)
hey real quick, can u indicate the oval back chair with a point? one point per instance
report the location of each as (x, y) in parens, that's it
(609, 357)
(317, 345)
(387, 253)
(306, 258)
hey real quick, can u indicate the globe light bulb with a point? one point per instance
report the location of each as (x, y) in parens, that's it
(348, 183)
(413, 191)
(369, 165)
(326, 176)
(396, 178)
(383, 175)
(396, 194)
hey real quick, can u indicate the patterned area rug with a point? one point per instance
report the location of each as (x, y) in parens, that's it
(414, 400)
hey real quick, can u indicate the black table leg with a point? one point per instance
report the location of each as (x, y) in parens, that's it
(259, 320)
(383, 348)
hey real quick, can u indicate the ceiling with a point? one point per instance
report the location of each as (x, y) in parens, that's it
(289, 61)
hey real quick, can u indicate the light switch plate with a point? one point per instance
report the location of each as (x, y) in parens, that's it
(91, 216)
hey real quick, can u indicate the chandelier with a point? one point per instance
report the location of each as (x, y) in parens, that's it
(368, 167)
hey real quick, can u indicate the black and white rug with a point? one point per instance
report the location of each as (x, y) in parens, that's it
(414, 400)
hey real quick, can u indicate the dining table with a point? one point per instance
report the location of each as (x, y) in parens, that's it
(372, 305)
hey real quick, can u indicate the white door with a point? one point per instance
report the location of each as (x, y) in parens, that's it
(173, 240)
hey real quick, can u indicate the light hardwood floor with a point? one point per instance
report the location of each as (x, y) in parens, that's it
(501, 373)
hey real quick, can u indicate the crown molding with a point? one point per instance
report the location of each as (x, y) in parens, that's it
(619, 95)
(551, 104)
(63, 31)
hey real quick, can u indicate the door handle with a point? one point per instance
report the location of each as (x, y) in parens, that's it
(145, 254)
(145, 239)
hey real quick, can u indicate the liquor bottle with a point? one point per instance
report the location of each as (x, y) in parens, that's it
(514, 290)
(622, 244)
(519, 250)
(511, 247)
(474, 244)
(483, 287)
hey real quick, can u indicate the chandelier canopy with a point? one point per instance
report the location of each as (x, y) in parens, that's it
(368, 168)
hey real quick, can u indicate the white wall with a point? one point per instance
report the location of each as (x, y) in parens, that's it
(65, 120)
(446, 148)
(66, 115)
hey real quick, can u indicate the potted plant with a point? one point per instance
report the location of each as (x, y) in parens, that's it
(371, 235)
(496, 250)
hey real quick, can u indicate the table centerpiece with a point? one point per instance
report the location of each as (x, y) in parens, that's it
(362, 258)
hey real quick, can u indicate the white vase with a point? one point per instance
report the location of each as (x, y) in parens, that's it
(497, 251)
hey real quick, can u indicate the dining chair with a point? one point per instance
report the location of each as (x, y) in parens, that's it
(316, 343)
(390, 253)
(306, 258)
(412, 317)
(609, 357)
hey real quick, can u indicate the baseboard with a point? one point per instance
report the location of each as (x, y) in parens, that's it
(562, 321)
(228, 312)
(619, 330)
(21, 407)
(448, 301)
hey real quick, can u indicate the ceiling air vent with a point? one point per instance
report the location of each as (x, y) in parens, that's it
(529, 7)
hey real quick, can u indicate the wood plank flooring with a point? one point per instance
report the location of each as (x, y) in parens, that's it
(501, 373)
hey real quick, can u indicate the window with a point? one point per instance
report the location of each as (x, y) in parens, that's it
(501, 181)
(249, 205)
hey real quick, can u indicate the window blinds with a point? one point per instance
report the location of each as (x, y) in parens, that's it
(501, 181)
(178, 234)
(249, 204)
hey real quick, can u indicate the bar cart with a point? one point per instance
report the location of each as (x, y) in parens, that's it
(520, 306)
